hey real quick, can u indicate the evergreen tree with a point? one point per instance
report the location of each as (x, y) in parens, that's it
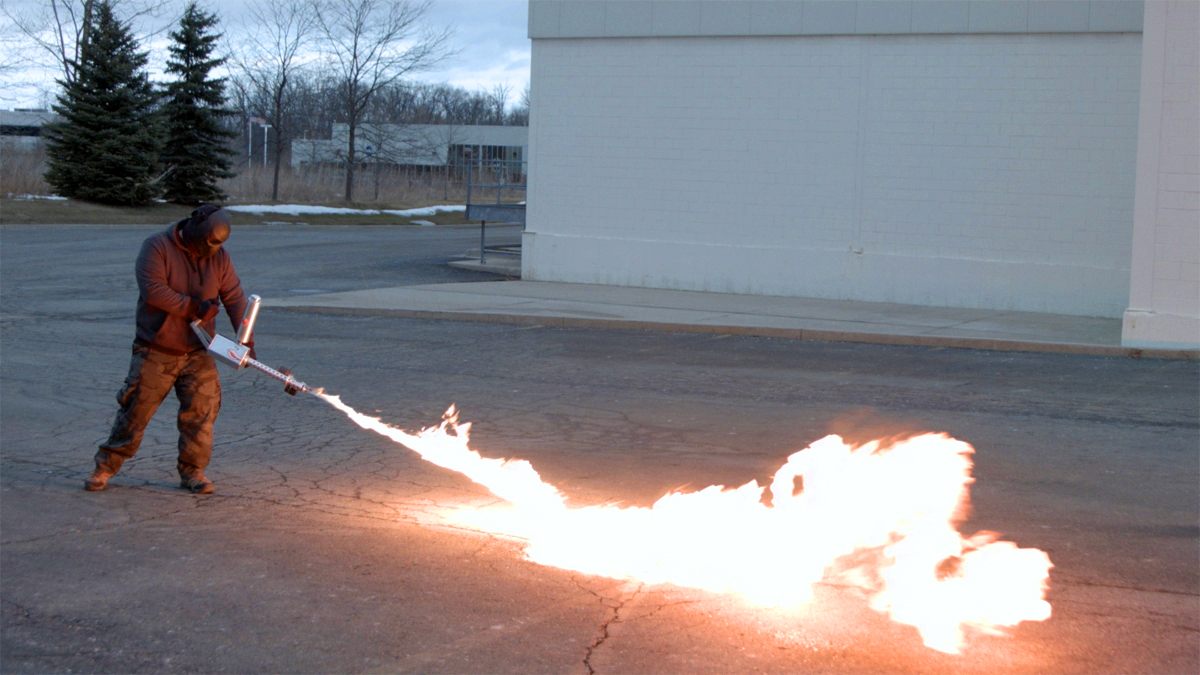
(195, 151)
(106, 148)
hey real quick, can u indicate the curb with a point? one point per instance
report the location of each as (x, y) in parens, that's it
(474, 265)
(756, 331)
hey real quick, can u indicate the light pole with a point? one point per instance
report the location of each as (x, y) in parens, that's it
(265, 127)
(250, 122)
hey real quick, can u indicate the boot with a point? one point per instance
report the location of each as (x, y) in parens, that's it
(107, 466)
(98, 480)
(196, 483)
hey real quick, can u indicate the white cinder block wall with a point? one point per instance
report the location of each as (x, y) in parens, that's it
(953, 157)
(1164, 297)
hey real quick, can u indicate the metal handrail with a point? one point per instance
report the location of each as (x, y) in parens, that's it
(506, 186)
(499, 187)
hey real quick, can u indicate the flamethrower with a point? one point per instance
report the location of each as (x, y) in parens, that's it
(237, 354)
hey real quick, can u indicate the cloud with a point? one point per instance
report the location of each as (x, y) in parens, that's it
(492, 37)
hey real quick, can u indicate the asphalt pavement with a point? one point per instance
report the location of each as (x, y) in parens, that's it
(329, 549)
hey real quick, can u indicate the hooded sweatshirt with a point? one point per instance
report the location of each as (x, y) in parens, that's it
(173, 280)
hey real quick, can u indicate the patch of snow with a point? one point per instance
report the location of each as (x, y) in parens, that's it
(29, 197)
(427, 210)
(298, 209)
(422, 223)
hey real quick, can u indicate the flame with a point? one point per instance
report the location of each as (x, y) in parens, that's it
(882, 518)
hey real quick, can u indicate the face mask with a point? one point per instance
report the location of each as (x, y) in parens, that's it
(208, 247)
(206, 230)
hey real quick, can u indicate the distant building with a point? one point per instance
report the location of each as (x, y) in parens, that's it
(21, 129)
(1003, 155)
(422, 145)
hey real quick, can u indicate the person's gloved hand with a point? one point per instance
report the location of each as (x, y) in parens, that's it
(287, 388)
(250, 344)
(206, 310)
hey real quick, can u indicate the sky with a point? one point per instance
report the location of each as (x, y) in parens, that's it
(489, 35)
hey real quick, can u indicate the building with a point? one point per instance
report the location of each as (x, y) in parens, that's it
(423, 145)
(21, 129)
(1006, 155)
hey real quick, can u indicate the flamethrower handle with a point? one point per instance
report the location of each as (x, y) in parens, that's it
(202, 334)
(246, 332)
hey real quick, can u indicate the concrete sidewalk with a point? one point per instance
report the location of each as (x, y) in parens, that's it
(592, 306)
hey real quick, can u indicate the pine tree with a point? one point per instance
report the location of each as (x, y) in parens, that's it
(106, 148)
(195, 151)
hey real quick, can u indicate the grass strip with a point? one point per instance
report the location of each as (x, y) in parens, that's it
(72, 212)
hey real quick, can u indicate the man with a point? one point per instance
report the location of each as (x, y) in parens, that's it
(183, 274)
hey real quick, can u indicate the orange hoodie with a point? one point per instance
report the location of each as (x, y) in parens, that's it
(173, 281)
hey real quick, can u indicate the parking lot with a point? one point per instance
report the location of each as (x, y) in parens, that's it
(328, 549)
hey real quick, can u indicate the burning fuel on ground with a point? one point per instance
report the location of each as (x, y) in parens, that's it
(881, 518)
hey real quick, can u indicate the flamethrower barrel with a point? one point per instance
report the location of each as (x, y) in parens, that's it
(246, 332)
(286, 379)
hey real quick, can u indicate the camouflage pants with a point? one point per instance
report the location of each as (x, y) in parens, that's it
(152, 375)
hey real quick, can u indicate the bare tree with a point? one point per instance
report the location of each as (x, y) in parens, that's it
(56, 28)
(271, 59)
(10, 39)
(519, 116)
(499, 99)
(371, 44)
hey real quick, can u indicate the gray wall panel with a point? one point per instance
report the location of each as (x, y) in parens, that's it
(582, 18)
(710, 18)
(769, 17)
(725, 17)
(1059, 16)
(676, 18)
(999, 16)
(940, 16)
(885, 17)
(828, 18)
(632, 17)
(1115, 15)
(543, 18)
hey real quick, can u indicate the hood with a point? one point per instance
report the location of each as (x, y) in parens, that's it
(203, 232)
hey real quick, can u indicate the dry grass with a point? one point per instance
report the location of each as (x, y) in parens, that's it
(373, 186)
(328, 184)
(21, 172)
(389, 188)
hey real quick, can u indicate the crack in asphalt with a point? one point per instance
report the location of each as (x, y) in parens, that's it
(602, 635)
(29, 615)
(660, 607)
(195, 503)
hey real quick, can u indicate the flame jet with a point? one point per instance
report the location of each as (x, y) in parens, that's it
(898, 504)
